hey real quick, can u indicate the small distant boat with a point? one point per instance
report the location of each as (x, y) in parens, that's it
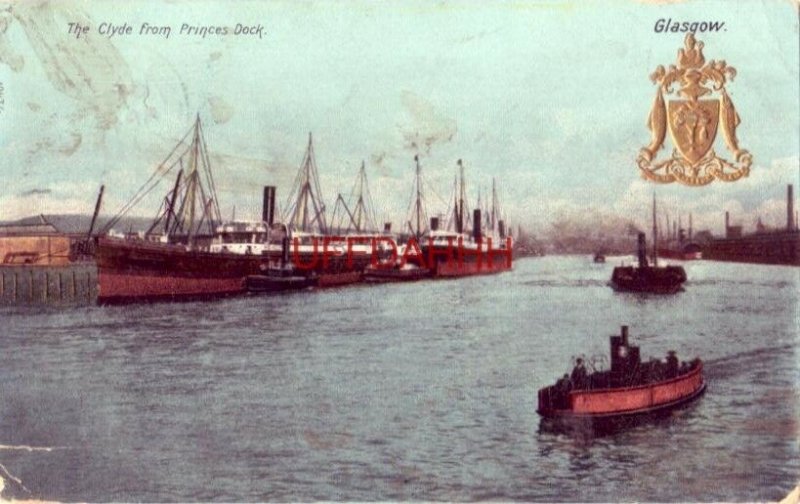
(395, 272)
(630, 388)
(689, 252)
(279, 280)
(599, 258)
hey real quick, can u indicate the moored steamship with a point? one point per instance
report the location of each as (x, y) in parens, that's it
(315, 249)
(458, 252)
(173, 259)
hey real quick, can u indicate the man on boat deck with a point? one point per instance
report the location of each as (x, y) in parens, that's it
(579, 377)
(672, 364)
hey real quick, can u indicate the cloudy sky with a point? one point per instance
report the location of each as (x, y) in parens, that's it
(551, 98)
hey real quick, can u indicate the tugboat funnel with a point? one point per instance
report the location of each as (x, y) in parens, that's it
(268, 207)
(642, 251)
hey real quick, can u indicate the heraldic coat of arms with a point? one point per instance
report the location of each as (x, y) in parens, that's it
(693, 122)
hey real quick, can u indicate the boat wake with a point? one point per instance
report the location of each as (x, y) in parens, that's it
(730, 365)
(579, 283)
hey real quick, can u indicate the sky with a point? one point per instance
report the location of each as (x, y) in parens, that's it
(549, 98)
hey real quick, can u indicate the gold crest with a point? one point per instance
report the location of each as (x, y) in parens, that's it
(693, 122)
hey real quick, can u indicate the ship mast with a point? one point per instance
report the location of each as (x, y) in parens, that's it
(416, 213)
(362, 217)
(306, 191)
(655, 237)
(494, 206)
(461, 197)
(364, 210)
(192, 189)
(187, 187)
(419, 197)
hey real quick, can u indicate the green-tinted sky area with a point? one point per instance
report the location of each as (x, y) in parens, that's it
(549, 97)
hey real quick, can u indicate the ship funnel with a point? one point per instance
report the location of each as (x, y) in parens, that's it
(501, 228)
(642, 251)
(476, 224)
(434, 223)
(789, 208)
(285, 251)
(625, 335)
(727, 223)
(268, 208)
(387, 227)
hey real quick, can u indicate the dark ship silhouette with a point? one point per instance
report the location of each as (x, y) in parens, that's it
(646, 278)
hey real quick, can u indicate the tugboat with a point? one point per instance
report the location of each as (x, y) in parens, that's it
(599, 258)
(645, 278)
(280, 277)
(396, 270)
(630, 388)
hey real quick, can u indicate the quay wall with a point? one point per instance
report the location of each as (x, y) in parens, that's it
(774, 248)
(37, 285)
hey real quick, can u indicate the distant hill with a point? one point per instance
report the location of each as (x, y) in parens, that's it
(78, 223)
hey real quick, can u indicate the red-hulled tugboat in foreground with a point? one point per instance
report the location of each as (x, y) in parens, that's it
(630, 388)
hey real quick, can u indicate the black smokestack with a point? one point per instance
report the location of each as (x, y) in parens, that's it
(642, 251)
(387, 227)
(285, 250)
(434, 223)
(476, 224)
(727, 223)
(501, 228)
(268, 208)
(789, 208)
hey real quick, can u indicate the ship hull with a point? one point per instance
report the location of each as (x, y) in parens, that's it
(132, 271)
(329, 271)
(626, 402)
(680, 255)
(267, 284)
(448, 264)
(666, 280)
(379, 275)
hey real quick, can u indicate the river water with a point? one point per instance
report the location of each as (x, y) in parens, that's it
(419, 391)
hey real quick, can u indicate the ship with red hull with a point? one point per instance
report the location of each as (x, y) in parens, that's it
(173, 260)
(335, 257)
(449, 254)
(630, 389)
(137, 270)
(485, 249)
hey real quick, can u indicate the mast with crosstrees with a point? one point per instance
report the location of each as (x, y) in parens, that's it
(417, 222)
(191, 209)
(305, 208)
(362, 217)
